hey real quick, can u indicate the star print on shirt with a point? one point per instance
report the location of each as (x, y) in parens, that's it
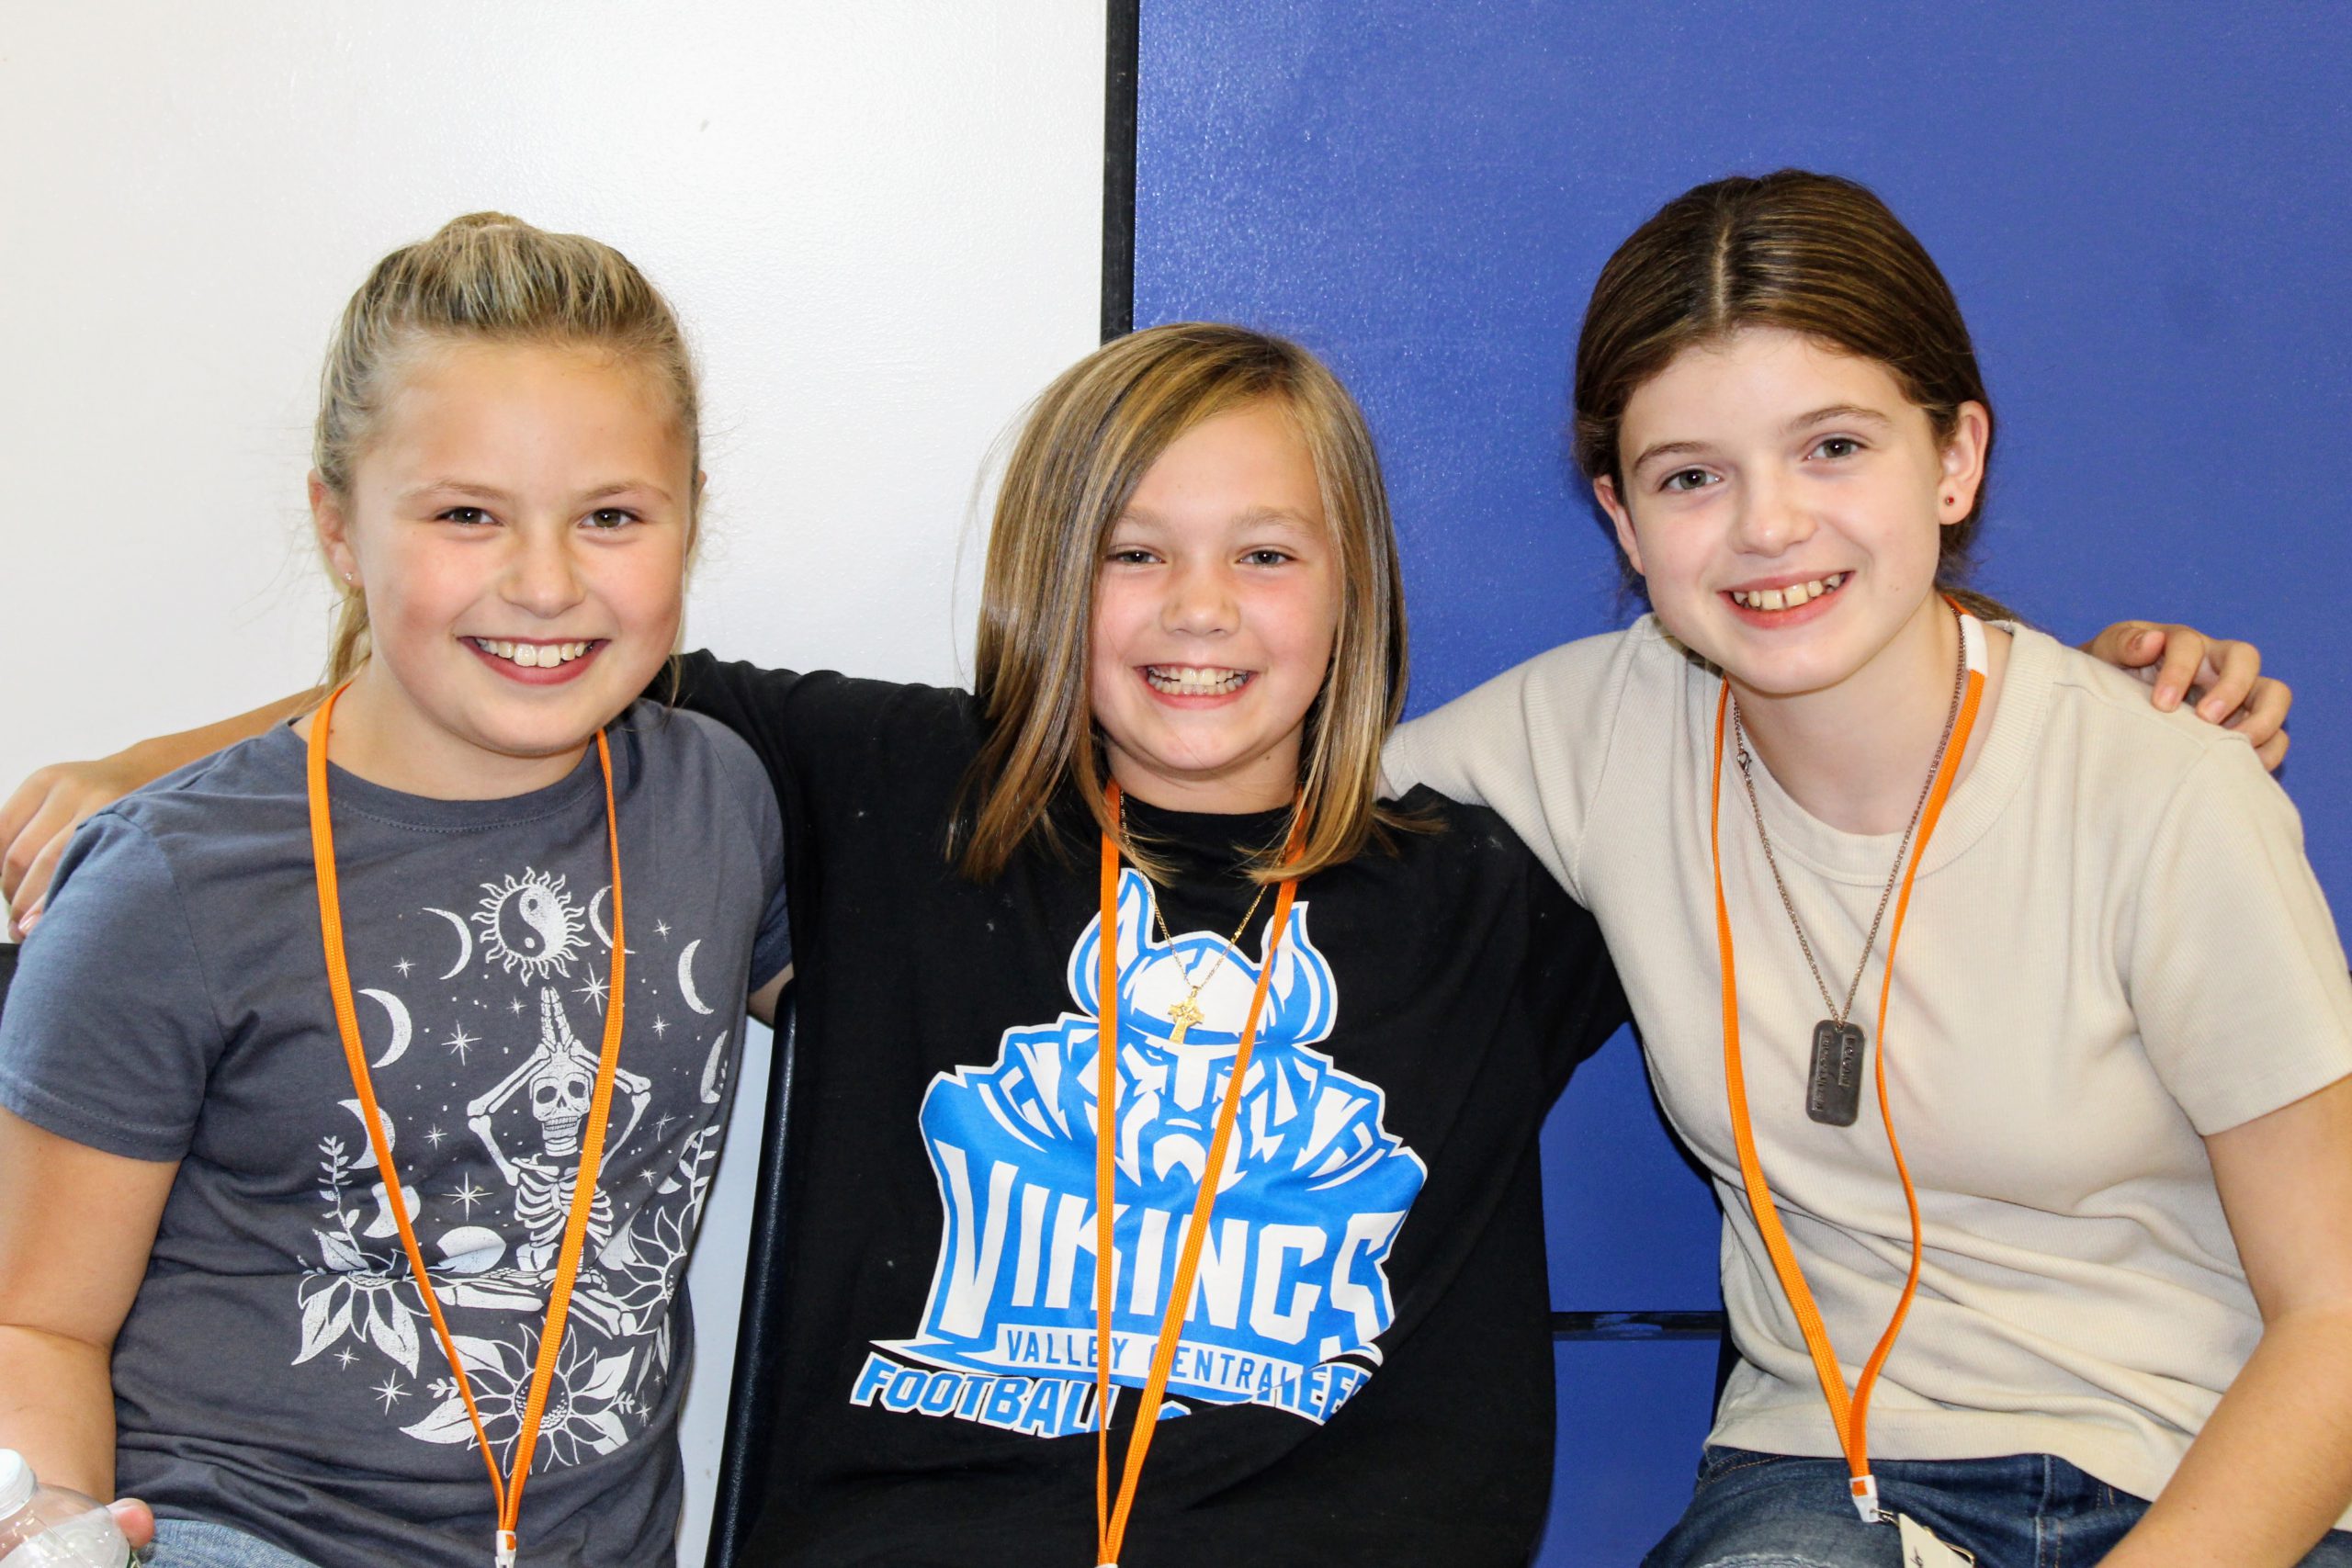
(469, 1194)
(390, 1391)
(404, 966)
(460, 1042)
(594, 991)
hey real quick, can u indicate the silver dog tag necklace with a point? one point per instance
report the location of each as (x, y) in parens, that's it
(1834, 1087)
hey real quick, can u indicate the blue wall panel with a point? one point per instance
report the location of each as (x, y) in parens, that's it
(2142, 208)
(1620, 1481)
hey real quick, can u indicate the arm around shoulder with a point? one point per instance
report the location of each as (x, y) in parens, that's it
(1533, 744)
(39, 820)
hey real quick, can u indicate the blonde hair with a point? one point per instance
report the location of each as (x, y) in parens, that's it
(485, 277)
(1082, 452)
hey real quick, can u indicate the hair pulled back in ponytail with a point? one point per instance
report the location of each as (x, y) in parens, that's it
(482, 277)
(1806, 253)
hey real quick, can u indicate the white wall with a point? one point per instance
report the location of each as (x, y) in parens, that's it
(880, 220)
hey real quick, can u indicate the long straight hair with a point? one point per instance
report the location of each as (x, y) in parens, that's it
(1082, 450)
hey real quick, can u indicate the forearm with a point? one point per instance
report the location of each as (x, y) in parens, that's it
(155, 757)
(57, 1408)
(39, 820)
(2272, 1469)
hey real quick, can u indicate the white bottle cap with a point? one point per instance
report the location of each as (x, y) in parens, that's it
(15, 1482)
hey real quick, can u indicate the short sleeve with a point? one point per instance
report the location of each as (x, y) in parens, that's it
(753, 702)
(772, 945)
(109, 1033)
(2237, 973)
(1533, 744)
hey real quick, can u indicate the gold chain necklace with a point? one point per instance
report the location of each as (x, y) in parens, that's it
(1187, 1012)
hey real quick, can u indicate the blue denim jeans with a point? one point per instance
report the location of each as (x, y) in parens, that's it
(1752, 1510)
(197, 1543)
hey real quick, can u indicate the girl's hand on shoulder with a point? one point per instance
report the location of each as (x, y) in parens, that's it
(2223, 675)
(37, 822)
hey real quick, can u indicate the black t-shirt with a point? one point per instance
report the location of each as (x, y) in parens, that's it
(1366, 1373)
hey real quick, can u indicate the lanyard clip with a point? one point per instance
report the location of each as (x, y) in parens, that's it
(1865, 1488)
(505, 1546)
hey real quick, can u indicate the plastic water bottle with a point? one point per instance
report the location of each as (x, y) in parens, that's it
(50, 1527)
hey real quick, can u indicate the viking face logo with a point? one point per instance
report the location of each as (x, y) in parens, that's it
(1312, 1193)
(1170, 1093)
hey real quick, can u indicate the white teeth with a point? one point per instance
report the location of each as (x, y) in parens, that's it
(1789, 598)
(534, 655)
(1187, 681)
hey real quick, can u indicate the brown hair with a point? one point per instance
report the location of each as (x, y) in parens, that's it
(484, 276)
(1807, 253)
(1080, 454)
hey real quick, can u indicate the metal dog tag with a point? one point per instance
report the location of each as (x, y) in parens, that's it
(1834, 1092)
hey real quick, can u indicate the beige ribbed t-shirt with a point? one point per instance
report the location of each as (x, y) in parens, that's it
(2115, 945)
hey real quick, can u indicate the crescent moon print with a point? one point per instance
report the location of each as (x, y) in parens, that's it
(686, 978)
(465, 940)
(714, 1069)
(597, 921)
(398, 1013)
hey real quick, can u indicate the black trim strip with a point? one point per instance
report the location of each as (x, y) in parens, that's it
(1123, 32)
(1637, 1325)
(746, 1459)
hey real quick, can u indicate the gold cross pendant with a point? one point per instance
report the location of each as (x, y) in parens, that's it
(1183, 1015)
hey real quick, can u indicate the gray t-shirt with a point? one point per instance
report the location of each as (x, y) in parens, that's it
(279, 1372)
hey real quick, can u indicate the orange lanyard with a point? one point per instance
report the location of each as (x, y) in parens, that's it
(1851, 1414)
(1110, 1519)
(508, 1493)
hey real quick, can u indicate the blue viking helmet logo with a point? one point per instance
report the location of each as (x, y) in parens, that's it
(1169, 1092)
(1313, 1192)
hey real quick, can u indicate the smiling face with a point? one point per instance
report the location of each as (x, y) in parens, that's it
(1784, 503)
(1216, 608)
(519, 522)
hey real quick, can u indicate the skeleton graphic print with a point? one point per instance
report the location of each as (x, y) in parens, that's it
(501, 1032)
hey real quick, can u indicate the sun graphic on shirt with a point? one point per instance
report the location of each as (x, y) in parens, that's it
(530, 925)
